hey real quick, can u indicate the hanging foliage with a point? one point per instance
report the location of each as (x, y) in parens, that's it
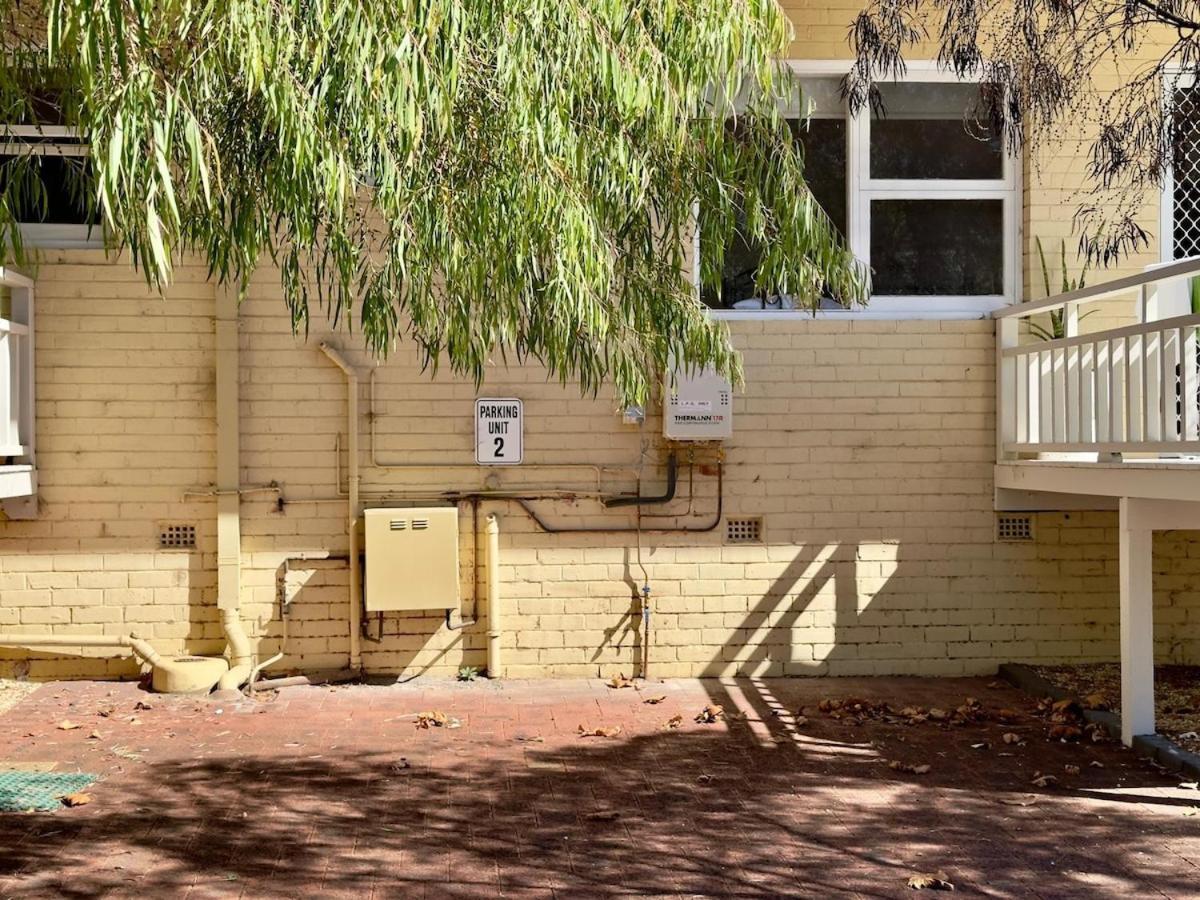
(492, 179)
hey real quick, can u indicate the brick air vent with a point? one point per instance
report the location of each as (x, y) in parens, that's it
(1014, 528)
(177, 537)
(744, 531)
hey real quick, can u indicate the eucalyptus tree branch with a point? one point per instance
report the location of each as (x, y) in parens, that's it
(483, 179)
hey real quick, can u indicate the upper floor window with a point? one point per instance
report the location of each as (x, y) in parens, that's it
(45, 167)
(922, 190)
(1181, 194)
(51, 172)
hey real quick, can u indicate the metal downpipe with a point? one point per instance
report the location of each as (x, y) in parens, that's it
(229, 500)
(495, 657)
(352, 501)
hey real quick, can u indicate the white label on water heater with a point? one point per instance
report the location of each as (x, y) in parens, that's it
(499, 431)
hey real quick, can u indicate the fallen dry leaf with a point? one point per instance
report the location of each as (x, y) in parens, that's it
(673, 722)
(1011, 737)
(1194, 811)
(938, 881)
(67, 725)
(95, 736)
(432, 719)
(1027, 800)
(938, 715)
(1095, 701)
(1096, 764)
(654, 701)
(76, 799)
(1097, 733)
(607, 732)
(898, 766)
(142, 704)
(1190, 785)
(801, 720)
(1065, 733)
(1071, 769)
(619, 681)
(710, 714)
(1044, 780)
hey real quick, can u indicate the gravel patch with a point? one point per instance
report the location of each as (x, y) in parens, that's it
(1176, 695)
(12, 692)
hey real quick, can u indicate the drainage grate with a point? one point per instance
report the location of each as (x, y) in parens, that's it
(21, 791)
(176, 537)
(743, 531)
(1014, 528)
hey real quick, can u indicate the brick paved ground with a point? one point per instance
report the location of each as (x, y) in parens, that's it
(321, 792)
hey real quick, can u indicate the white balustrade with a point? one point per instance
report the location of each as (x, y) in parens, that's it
(1131, 389)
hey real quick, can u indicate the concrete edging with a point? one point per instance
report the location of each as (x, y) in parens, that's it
(1152, 746)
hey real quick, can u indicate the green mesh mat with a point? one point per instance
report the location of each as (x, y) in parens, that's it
(21, 791)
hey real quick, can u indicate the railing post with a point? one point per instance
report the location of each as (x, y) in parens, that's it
(1007, 335)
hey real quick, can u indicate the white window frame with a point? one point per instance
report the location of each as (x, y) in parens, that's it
(861, 189)
(53, 140)
(18, 431)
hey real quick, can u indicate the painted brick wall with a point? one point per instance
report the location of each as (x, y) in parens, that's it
(124, 428)
(865, 446)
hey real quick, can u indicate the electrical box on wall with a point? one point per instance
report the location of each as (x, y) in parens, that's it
(412, 558)
(698, 406)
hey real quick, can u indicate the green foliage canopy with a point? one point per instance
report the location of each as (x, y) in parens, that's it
(511, 178)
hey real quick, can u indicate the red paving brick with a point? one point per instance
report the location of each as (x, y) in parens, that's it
(334, 792)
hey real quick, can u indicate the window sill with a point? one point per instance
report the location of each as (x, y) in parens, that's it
(17, 481)
(882, 308)
(62, 237)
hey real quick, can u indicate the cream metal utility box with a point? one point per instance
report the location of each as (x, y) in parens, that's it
(698, 407)
(412, 558)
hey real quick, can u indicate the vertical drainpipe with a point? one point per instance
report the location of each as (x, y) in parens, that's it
(495, 659)
(352, 512)
(229, 529)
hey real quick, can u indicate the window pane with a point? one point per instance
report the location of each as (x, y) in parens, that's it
(1186, 174)
(59, 200)
(930, 130)
(824, 147)
(931, 247)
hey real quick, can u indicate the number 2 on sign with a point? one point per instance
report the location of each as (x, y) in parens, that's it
(499, 442)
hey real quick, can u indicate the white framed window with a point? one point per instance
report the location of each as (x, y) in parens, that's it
(54, 158)
(925, 195)
(1179, 221)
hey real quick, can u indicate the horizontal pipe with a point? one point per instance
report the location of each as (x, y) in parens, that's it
(630, 529)
(665, 497)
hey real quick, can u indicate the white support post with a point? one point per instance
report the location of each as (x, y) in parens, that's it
(1137, 624)
(1008, 391)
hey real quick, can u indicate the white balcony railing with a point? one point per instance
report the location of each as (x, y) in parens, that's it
(1126, 389)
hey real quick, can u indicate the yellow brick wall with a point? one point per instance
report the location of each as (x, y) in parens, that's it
(124, 428)
(866, 446)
